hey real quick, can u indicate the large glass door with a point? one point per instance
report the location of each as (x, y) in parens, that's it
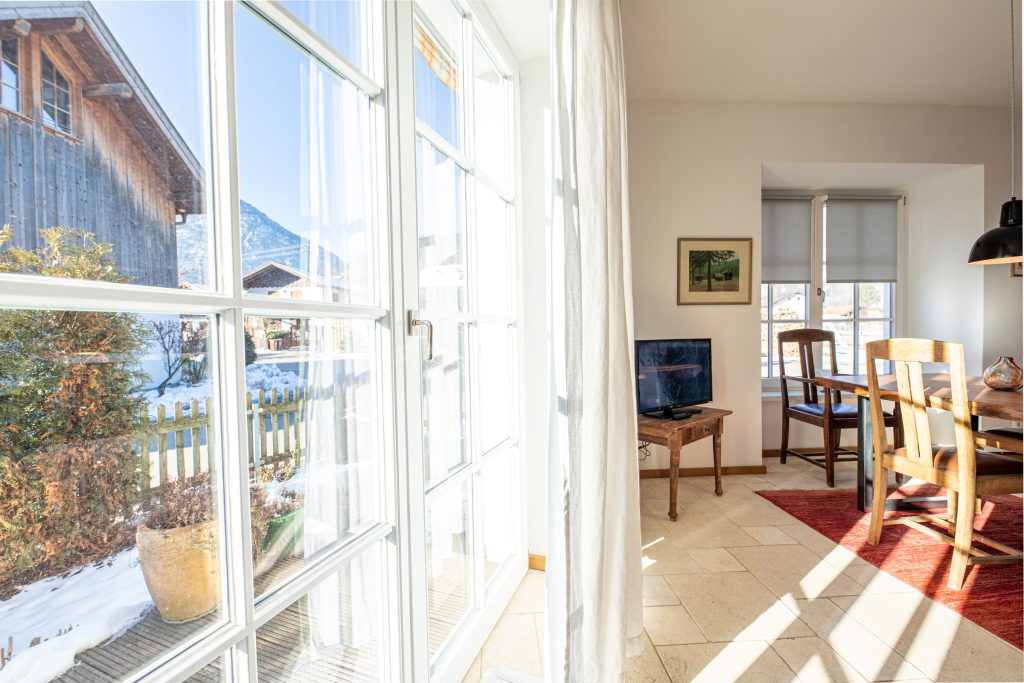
(465, 386)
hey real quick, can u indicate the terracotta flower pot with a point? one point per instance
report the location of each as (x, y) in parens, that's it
(181, 569)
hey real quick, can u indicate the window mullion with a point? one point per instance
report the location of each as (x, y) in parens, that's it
(229, 348)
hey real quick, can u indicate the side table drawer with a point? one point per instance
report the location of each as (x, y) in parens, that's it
(702, 430)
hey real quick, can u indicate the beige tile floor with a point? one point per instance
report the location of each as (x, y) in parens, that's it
(738, 590)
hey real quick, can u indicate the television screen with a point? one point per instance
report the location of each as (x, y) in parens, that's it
(672, 373)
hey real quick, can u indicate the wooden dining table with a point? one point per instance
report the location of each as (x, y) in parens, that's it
(984, 402)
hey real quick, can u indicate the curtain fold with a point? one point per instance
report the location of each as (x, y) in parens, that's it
(595, 617)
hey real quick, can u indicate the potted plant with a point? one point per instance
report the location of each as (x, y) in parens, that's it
(275, 339)
(283, 511)
(177, 542)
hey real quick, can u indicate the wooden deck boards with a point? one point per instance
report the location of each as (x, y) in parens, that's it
(281, 642)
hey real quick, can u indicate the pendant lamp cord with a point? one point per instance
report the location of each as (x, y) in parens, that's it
(1013, 106)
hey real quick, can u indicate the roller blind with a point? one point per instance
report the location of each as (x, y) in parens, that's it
(786, 239)
(860, 239)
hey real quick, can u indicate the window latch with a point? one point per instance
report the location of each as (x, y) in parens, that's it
(412, 322)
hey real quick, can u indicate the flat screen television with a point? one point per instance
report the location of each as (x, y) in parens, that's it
(672, 374)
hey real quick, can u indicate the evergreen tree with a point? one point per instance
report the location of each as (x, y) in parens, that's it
(70, 413)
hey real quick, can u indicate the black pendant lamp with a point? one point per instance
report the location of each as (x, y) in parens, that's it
(1003, 244)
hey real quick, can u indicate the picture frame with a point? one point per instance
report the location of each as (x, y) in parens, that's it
(713, 270)
(1016, 269)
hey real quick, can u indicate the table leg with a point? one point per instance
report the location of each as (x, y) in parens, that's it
(718, 462)
(673, 490)
(866, 468)
(865, 455)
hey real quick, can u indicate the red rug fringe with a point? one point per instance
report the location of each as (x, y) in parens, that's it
(992, 595)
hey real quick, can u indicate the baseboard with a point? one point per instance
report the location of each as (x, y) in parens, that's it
(704, 471)
(538, 562)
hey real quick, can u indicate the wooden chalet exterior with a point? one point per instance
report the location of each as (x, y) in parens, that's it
(84, 143)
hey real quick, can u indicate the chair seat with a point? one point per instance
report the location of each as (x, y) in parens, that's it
(818, 409)
(987, 463)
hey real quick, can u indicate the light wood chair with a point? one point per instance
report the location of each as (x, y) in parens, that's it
(830, 413)
(963, 470)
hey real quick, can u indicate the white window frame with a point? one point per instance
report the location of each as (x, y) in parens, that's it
(398, 534)
(770, 386)
(462, 646)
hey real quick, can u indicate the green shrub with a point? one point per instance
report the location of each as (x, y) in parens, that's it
(250, 349)
(70, 414)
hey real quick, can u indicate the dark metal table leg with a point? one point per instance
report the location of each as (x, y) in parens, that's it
(865, 455)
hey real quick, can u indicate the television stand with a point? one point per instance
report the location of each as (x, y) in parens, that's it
(674, 435)
(669, 414)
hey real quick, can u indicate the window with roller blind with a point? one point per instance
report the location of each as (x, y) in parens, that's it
(831, 262)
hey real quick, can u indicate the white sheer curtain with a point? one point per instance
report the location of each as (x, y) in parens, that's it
(595, 617)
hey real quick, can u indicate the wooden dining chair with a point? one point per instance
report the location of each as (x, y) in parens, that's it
(962, 469)
(830, 414)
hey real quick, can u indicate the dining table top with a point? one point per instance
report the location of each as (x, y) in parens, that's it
(984, 402)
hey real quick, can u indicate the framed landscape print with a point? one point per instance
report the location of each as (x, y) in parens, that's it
(713, 271)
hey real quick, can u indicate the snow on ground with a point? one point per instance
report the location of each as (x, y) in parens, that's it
(265, 377)
(97, 602)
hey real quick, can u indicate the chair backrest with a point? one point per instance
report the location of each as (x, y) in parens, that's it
(805, 340)
(906, 356)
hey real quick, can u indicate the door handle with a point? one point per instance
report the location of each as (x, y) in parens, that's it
(412, 322)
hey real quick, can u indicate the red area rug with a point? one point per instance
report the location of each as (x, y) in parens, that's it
(992, 595)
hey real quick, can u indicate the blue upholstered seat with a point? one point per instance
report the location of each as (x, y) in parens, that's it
(818, 409)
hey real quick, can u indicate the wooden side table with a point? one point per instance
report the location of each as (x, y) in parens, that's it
(674, 434)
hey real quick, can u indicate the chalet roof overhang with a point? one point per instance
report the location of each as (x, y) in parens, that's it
(110, 75)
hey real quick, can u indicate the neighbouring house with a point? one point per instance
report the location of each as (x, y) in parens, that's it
(277, 279)
(86, 144)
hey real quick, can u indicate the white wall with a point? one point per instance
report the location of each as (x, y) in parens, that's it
(535, 209)
(695, 170)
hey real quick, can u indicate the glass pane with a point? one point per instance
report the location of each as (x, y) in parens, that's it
(8, 74)
(438, 58)
(314, 455)
(214, 672)
(495, 249)
(10, 50)
(499, 482)
(838, 301)
(873, 300)
(449, 565)
(131, 193)
(64, 120)
(495, 389)
(789, 302)
(490, 110)
(339, 22)
(9, 97)
(442, 237)
(444, 402)
(766, 368)
(868, 332)
(791, 352)
(303, 173)
(108, 492)
(333, 633)
(844, 347)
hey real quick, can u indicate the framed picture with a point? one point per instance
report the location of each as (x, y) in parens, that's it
(713, 271)
(1016, 269)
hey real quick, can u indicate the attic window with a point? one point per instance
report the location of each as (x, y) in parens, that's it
(9, 73)
(56, 96)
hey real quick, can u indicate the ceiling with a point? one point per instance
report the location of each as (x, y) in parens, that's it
(875, 51)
